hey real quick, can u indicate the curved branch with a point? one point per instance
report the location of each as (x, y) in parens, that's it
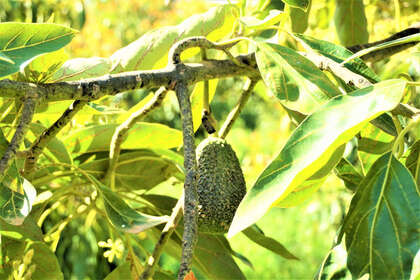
(26, 116)
(122, 130)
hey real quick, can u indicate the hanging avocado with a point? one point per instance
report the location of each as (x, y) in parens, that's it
(221, 185)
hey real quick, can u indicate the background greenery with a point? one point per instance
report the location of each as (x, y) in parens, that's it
(306, 230)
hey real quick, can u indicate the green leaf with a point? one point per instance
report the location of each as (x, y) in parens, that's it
(393, 43)
(122, 216)
(137, 170)
(338, 54)
(142, 135)
(413, 162)
(255, 234)
(82, 68)
(295, 80)
(381, 227)
(29, 230)
(22, 41)
(349, 174)
(299, 18)
(311, 146)
(301, 4)
(5, 58)
(372, 146)
(123, 271)
(47, 266)
(334, 265)
(148, 50)
(350, 22)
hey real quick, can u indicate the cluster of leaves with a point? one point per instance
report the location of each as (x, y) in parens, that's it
(335, 135)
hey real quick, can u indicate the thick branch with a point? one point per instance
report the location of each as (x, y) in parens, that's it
(47, 135)
(122, 130)
(190, 185)
(25, 119)
(90, 89)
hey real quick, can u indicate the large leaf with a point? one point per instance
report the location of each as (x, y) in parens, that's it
(29, 230)
(22, 41)
(255, 234)
(122, 216)
(338, 54)
(142, 135)
(413, 162)
(381, 227)
(122, 271)
(146, 52)
(311, 146)
(350, 22)
(137, 170)
(294, 79)
(47, 266)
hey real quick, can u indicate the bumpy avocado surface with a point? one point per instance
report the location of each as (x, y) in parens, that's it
(221, 185)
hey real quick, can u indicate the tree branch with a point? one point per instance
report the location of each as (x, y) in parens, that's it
(190, 185)
(122, 130)
(26, 115)
(47, 135)
(234, 114)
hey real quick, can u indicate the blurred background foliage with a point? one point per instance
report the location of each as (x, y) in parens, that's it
(307, 230)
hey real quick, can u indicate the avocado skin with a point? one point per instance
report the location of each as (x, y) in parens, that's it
(221, 185)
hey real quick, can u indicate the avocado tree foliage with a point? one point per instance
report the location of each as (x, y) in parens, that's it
(350, 123)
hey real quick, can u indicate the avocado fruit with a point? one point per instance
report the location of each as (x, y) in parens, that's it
(220, 187)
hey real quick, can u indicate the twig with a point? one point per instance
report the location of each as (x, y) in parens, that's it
(234, 114)
(167, 231)
(27, 113)
(47, 135)
(122, 130)
(190, 184)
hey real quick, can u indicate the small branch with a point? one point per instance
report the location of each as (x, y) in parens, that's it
(47, 135)
(167, 231)
(26, 116)
(234, 114)
(200, 41)
(122, 130)
(190, 184)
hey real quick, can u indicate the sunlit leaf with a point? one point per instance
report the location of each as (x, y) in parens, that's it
(148, 50)
(273, 17)
(338, 54)
(82, 68)
(22, 41)
(295, 80)
(255, 234)
(381, 227)
(311, 146)
(143, 135)
(122, 216)
(197, 100)
(350, 22)
(5, 58)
